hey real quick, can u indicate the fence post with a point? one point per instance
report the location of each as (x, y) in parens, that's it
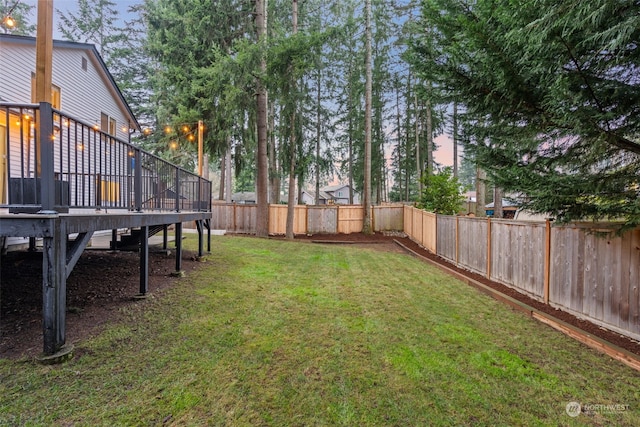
(423, 239)
(435, 237)
(489, 248)
(47, 178)
(235, 223)
(547, 260)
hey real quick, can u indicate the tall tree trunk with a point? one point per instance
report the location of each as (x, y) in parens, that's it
(300, 186)
(455, 139)
(229, 170)
(274, 172)
(407, 138)
(293, 144)
(318, 133)
(223, 161)
(350, 137)
(418, 159)
(399, 141)
(481, 177)
(262, 182)
(498, 212)
(366, 197)
(429, 169)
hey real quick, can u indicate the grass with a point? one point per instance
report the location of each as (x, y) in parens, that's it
(277, 333)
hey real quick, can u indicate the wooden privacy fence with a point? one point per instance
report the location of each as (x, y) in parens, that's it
(237, 218)
(591, 275)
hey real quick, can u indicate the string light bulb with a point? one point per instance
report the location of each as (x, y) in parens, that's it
(9, 22)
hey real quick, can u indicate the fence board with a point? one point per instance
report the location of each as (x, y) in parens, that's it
(446, 237)
(517, 255)
(245, 218)
(278, 219)
(322, 219)
(472, 244)
(388, 218)
(429, 221)
(634, 282)
(350, 219)
(407, 214)
(416, 223)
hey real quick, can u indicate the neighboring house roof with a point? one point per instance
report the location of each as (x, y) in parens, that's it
(95, 57)
(245, 196)
(312, 194)
(505, 204)
(332, 188)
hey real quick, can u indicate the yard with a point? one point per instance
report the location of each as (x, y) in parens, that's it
(269, 332)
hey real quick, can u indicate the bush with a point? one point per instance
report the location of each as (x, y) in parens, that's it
(441, 193)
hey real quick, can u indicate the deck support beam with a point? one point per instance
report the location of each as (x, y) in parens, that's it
(54, 287)
(207, 223)
(200, 229)
(75, 250)
(144, 260)
(178, 247)
(113, 245)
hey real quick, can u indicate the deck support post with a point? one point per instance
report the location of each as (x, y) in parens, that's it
(165, 237)
(144, 260)
(208, 224)
(200, 229)
(54, 287)
(178, 247)
(113, 245)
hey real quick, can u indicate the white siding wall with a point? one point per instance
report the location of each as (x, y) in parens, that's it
(84, 94)
(18, 61)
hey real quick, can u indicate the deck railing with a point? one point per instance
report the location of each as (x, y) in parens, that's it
(50, 161)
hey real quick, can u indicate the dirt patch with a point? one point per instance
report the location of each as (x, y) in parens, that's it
(101, 283)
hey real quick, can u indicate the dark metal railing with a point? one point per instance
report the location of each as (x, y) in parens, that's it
(50, 161)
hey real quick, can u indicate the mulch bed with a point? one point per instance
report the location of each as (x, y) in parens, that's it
(103, 282)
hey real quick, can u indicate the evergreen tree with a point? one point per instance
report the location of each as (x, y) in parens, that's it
(550, 90)
(94, 22)
(441, 193)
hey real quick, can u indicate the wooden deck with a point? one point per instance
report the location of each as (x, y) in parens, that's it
(60, 252)
(64, 179)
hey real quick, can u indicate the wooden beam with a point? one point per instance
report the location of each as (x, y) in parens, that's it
(44, 51)
(54, 288)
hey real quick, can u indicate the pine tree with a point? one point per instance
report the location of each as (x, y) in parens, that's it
(550, 90)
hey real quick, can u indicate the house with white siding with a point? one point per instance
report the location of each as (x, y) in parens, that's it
(81, 84)
(339, 194)
(68, 170)
(82, 87)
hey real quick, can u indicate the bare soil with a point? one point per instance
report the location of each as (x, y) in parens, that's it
(100, 284)
(104, 281)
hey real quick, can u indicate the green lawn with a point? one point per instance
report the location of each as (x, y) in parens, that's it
(276, 333)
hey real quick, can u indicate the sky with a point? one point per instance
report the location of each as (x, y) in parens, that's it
(70, 5)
